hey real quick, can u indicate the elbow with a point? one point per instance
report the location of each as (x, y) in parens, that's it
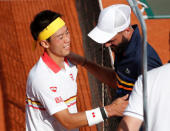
(112, 84)
(111, 81)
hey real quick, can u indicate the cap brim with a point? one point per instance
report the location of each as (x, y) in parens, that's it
(100, 36)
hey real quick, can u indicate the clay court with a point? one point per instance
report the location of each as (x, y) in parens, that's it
(17, 56)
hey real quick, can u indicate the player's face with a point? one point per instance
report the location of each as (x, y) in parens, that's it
(118, 43)
(59, 43)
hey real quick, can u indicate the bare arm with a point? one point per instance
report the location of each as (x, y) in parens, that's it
(129, 124)
(71, 121)
(104, 74)
(76, 120)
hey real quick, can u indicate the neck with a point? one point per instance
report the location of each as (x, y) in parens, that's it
(57, 59)
(131, 33)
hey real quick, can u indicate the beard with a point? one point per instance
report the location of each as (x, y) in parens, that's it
(119, 49)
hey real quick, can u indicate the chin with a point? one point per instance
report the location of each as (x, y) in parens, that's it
(67, 53)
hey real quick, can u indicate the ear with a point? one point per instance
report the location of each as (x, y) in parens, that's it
(44, 44)
(127, 30)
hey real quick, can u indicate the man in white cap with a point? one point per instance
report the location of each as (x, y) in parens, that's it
(158, 90)
(115, 31)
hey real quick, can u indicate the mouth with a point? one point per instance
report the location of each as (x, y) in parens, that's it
(67, 47)
(113, 47)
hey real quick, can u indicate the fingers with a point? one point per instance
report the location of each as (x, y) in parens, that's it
(125, 104)
(121, 99)
(125, 97)
(117, 107)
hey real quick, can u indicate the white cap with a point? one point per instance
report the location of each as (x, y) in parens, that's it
(112, 20)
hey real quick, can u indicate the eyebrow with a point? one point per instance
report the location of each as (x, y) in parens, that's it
(62, 33)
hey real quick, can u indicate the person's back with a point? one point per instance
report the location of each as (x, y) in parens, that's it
(158, 89)
(158, 94)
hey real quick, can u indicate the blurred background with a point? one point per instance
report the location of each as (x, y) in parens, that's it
(17, 55)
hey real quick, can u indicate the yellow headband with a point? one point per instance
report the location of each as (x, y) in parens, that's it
(51, 29)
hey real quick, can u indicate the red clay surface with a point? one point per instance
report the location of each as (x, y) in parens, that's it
(17, 56)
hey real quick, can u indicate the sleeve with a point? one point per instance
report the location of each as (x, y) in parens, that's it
(154, 60)
(135, 106)
(52, 101)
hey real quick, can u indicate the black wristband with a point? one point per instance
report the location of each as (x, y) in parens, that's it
(103, 113)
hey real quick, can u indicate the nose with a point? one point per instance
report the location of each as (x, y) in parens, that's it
(67, 38)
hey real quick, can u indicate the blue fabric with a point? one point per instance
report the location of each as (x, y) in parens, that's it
(128, 65)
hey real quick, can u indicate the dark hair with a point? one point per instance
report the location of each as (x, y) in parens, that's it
(41, 21)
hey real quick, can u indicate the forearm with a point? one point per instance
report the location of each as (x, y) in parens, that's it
(77, 120)
(104, 74)
(91, 117)
(71, 120)
(95, 116)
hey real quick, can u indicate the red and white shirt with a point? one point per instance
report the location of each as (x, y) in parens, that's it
(50, 89)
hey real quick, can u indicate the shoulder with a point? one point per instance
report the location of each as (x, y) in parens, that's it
(157, 74)
(38, 77)
(164, 69)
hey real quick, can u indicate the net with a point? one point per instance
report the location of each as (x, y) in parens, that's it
(17, 56)
(88, 12)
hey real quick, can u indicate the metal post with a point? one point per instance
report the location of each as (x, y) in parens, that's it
(139, 15)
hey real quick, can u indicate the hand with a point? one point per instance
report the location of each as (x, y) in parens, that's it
(76, 59)
(117, 107)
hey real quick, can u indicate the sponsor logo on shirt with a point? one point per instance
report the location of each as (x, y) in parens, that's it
(59, 99)
(71, 76)
(53, 89)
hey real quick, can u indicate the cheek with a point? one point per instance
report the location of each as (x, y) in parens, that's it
(118, 41)
(55, 46)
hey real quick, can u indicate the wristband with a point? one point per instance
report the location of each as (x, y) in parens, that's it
(94, 116)
(106, 112)
(103, 112)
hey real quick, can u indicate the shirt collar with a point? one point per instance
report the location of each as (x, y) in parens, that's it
(51, 64)
(134, 41)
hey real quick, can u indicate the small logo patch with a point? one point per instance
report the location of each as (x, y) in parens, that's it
(53, 89)
(58, 99)
(71, 76)
(127, 71)
(93, 114)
